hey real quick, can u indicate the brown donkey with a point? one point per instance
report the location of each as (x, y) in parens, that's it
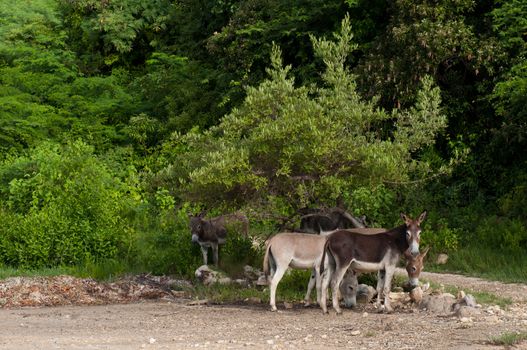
(368, 253)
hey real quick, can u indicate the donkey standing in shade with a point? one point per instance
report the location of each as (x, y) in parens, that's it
(334, 219)
(212, 232)
(368, 253)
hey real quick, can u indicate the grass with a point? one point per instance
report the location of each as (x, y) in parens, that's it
(499, 265)
(292, 288)
(483, 298)
(509, 339)
(104, 270)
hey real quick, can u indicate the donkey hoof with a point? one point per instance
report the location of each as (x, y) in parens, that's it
(339, 312)
(273, 309)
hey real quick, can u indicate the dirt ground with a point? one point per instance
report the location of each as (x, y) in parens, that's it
(173, 323)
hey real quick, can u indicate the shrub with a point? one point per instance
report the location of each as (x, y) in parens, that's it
(63, 206)
(165, 246)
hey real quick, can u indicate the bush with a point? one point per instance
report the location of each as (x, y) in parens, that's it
(502, 233)
(61, 206)
(165, 246)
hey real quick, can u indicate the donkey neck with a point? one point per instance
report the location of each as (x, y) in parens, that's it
(398, 234)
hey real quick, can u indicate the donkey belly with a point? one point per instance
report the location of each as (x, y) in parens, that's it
(302, 263)
(364, 266)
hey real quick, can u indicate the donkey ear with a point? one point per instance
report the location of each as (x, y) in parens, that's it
(422, 217)
(425, 252)
(404, 217)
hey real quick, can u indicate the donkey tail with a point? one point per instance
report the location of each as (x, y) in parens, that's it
(266, 259)
(326, 247)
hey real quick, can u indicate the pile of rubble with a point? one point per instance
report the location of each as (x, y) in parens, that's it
(68, 290)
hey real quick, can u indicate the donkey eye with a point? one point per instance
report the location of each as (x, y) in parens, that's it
(350, 287)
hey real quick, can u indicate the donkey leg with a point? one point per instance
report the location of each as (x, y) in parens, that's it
(310, 285)
(204, 253)
(335, 283)
(278, 274)
(318, 283)
(325, 277)
(387, 288)
(215, 253)
(381, 274)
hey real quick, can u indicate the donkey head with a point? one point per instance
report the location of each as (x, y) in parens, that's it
(349, 288)
(414, 266)
(196, 228)
(413, 231)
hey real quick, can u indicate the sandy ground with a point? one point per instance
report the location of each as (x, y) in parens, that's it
(177, 325)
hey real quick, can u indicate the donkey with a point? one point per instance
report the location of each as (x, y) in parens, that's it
(368, 253)
(349, 282)
(348, 287)
(295, 250)
(334, 219)
(212, 232)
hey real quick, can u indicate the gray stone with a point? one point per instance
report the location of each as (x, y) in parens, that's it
(438, 304)
(466, 311)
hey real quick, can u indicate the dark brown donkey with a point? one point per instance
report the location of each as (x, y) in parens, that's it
(212, 232)
(368, 253)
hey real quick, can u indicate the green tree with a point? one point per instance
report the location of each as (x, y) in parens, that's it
(304, 145)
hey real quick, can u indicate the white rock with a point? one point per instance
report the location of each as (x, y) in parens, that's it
(152, 340)
(354, 333)
(442, 259)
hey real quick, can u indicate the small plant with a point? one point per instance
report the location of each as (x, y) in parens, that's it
(509, 339)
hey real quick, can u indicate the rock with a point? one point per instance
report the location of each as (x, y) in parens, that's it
(288, 305)
(465, 320)
(416, 295)
(425, 286)
(365, 293)
(355, 333)
(442, 259)
(465, 311)
(438, 304)
(253, 300)
(242, 282)
(199, 302)
(469, 300)
(152, 340)
(251, 273)
(262, 281)
(209, 276)
(224, 280)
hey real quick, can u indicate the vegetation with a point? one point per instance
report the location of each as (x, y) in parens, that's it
(119, 118)
(509, 339)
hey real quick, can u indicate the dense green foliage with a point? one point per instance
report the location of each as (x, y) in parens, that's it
(120, 117)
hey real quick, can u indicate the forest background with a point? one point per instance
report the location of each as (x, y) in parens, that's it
(119, 118)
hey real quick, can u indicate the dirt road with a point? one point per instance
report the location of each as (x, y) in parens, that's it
(177, 325)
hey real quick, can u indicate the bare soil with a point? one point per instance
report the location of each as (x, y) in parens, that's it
(148, 316)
